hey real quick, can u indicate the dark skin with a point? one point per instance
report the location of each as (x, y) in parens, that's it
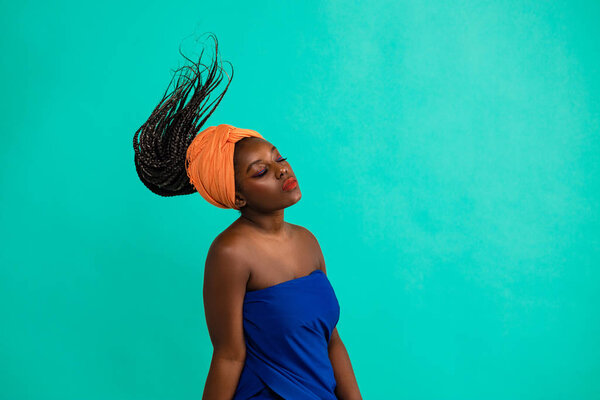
(256, 251)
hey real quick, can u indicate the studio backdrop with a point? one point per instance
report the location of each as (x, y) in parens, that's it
(448, 154)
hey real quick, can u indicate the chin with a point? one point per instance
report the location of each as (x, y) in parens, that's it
(296, 198)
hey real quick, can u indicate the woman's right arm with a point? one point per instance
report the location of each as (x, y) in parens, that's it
(225, 279)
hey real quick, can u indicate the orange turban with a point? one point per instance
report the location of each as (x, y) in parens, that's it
(209, 163)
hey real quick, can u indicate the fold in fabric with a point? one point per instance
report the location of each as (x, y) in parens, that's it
(287, 328)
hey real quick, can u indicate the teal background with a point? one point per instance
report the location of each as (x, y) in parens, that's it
(447, 154)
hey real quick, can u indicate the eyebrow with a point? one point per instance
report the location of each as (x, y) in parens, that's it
(254, 162)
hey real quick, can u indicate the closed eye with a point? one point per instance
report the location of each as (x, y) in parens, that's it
(264, 171)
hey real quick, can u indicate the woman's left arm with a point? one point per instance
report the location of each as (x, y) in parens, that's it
(347, 387)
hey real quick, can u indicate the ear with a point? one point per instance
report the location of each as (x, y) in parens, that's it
(240, 201)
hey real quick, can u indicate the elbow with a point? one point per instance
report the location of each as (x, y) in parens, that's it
(228, 354)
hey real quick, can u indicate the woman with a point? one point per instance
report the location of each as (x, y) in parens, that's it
(270, 309)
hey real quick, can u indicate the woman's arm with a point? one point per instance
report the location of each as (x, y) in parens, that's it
(223, 377)
(225, 279)
(347, 386)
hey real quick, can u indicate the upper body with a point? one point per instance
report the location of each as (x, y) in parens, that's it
(257, 251)
(240, 260)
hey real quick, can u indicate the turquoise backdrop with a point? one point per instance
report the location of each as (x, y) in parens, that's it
(448, 156)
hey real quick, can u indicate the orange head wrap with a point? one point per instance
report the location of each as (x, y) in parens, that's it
(209, 163)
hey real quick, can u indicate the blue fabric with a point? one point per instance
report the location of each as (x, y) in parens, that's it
(287, 328)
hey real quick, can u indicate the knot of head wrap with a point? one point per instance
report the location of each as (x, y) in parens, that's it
(209, 163)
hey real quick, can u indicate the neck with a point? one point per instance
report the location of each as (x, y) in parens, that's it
(271, 223)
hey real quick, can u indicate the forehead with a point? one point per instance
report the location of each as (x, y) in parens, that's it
(252, 149)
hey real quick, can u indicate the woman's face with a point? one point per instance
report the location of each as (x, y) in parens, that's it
(260, 173)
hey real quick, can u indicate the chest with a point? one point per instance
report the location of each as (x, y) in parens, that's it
(272, 263)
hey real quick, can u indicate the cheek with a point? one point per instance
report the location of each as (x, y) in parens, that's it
(259, 187)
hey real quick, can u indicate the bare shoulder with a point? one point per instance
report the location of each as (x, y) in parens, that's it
(311, 241)
(226, 257)
(304, 232)
(230, 242)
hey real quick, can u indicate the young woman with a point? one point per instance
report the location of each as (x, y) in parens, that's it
(270, 309)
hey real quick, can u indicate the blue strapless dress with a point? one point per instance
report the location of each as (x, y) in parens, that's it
(287, 329)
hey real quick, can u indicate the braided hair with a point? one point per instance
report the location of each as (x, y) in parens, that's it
(160, 144)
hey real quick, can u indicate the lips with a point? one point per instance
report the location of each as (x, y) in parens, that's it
(289, 183)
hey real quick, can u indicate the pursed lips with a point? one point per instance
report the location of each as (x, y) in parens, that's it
(288, 182)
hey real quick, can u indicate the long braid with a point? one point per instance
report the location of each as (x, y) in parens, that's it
(164, 138)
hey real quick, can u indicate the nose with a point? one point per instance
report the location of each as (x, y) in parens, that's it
(282, 170)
